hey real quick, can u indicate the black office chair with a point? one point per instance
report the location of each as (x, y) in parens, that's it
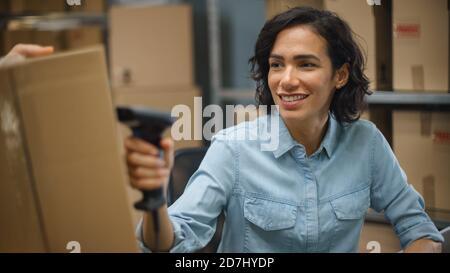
(186, 162)
(446, 245)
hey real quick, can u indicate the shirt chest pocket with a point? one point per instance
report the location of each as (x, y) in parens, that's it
(349, 211)
(269, 225)
(352, 206)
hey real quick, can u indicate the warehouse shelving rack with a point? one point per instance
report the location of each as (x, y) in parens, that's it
(49, 19)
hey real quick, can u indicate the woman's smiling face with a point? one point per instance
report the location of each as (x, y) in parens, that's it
(301, 78)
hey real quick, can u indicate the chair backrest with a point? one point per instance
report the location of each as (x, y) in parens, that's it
(446, 245)
(186, 162)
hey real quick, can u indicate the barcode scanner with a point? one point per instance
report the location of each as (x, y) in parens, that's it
(149, 126)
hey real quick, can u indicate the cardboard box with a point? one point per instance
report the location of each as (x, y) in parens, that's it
(420, 45)
(24, 233)
(163, 99)
(36, 6)
(378, 238)
(151, 45)
(422, 146)
(83, 36)
(64, 118)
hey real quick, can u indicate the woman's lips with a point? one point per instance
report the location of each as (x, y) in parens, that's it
(290, 102)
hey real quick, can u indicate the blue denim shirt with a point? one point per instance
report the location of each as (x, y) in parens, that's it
(285, 201)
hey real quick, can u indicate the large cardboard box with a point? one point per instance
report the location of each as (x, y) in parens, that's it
(378, 238)
(422, 146)
(151, 45)
(420, 45)
(60, 158)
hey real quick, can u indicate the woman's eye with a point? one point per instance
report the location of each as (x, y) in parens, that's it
(275, 65)
(308, 65)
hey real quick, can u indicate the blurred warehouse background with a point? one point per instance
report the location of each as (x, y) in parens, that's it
(164, 53)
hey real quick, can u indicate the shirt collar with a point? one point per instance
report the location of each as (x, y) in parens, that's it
(286, 142)
(330, 140)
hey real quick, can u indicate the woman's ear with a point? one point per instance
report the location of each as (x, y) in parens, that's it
(342, 75)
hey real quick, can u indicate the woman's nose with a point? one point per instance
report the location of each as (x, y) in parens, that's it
(289, 80)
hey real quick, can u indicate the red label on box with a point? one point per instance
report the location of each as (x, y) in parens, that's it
(407, 30)
(441, 137)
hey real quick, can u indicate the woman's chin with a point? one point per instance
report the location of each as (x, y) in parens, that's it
(296, 116)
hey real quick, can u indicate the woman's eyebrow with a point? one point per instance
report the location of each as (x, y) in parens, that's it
(306, 56)
(276, 56)
(296, 57)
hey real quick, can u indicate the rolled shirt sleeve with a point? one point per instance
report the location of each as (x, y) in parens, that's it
(402, 204)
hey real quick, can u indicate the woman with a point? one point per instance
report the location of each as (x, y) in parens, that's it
(309, 194)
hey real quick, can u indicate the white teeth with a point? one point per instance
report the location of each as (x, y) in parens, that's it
(293, 98)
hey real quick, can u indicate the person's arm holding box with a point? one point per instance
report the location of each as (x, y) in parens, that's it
(21, 51)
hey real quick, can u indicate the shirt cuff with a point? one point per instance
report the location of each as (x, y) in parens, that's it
(424, 230)
(140, 237)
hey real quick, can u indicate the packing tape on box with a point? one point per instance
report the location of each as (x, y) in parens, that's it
(428, 189)
(425, 124)
(418, 81)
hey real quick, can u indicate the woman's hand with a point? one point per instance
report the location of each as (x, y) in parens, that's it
(147, 171)
(424, 246)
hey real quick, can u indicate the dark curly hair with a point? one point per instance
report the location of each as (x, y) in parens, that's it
(347, 104)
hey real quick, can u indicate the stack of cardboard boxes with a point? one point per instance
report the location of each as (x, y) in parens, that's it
(151, 64)
(421, 139)
(56, 30)
(151, 57)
